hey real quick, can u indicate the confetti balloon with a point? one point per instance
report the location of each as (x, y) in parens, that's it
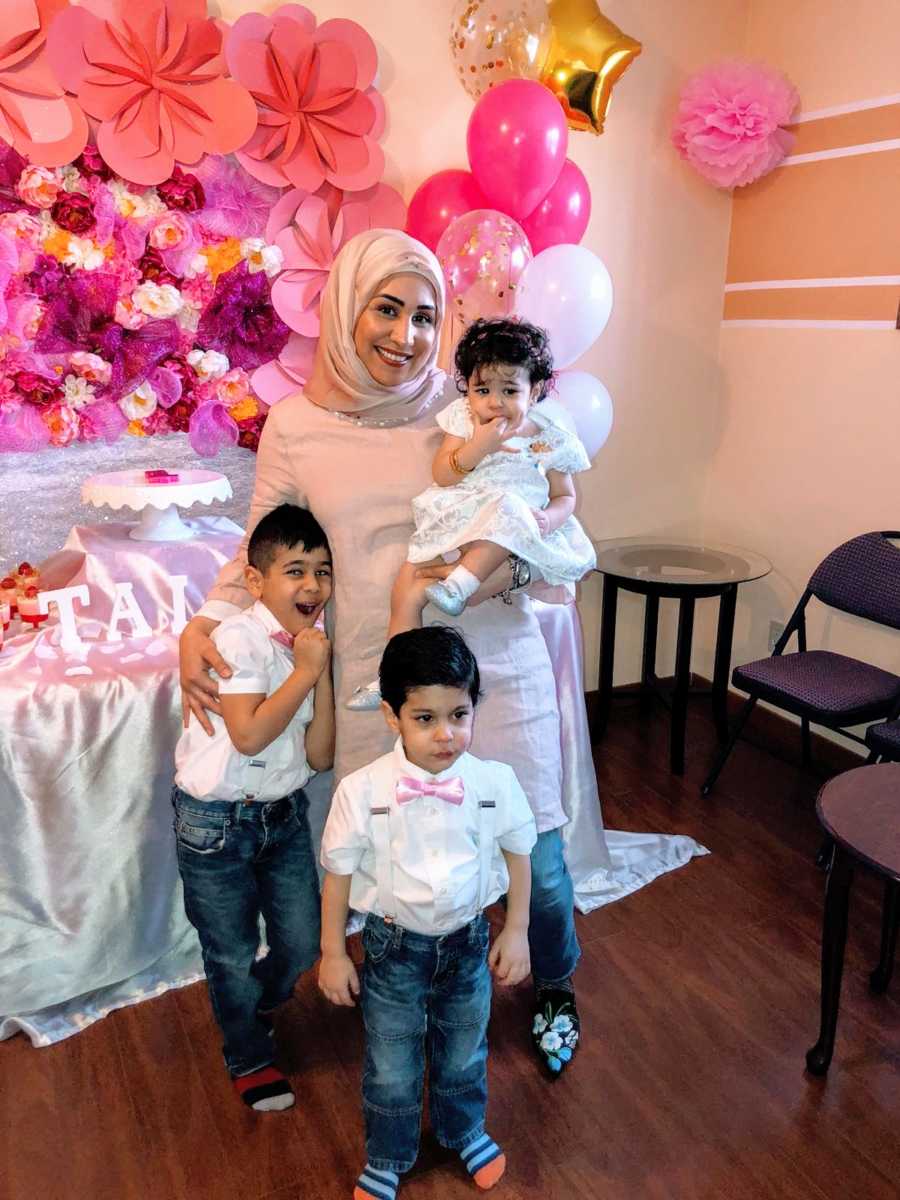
(483, 254)
(493, 40)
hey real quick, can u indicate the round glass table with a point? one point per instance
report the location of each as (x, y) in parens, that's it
(860, 811)
(687, 572)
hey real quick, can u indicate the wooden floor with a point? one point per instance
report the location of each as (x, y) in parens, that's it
(698, 997)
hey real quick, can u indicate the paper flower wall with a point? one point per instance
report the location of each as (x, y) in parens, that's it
(152, 75)
(136, 288)
(317, 112)
(37, 118)
(729, 123)
(129, 310)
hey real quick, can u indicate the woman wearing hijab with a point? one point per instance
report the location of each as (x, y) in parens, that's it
(354, 447)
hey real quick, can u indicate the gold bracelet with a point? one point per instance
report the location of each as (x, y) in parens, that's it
(455, 465)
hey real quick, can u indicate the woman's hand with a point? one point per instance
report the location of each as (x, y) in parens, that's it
(198, 656)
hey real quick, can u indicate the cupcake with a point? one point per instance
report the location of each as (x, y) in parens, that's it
(25, 576)
(8, 596)
(29, 607)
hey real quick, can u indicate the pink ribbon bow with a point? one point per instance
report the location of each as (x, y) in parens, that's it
(283, 639)
(450, 790)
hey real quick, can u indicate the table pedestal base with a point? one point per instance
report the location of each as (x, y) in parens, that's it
(161, 525)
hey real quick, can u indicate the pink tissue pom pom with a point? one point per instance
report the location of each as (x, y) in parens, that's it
(729, 123)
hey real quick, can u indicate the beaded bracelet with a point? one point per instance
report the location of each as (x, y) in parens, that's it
(455, 465)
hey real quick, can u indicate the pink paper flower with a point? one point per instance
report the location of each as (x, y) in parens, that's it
(729, 123)
(311, 241)
(288, 373)
(318, 115)
(152, 75)
(36, 115)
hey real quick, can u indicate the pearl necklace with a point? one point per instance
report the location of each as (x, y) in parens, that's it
(386, 422)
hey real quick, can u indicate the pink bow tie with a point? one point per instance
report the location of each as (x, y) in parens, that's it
(450, 790)
(283, 639)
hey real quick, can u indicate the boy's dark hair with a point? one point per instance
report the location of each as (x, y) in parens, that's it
(286, 526)
(435, 656)
(501, 341)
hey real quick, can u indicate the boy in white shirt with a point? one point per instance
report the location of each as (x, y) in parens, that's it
(423, 840)
(243, 838)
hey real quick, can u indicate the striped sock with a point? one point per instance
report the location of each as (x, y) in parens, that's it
(265, 1090)
(376, 1184)
(484, 1160)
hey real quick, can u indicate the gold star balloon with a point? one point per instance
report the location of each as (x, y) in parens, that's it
(587, 54)
(568, 45)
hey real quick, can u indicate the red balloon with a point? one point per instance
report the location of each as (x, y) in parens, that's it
(438, 201)
(517, 141)
(563, 214)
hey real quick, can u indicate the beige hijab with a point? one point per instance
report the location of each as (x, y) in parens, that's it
(339, 379)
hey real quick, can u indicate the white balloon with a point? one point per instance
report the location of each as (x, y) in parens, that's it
(567, 291)
(589, 405)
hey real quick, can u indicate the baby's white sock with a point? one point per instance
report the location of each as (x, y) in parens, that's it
(463, 581)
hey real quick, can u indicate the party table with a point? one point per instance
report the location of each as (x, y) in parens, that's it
(91, 915)
(88, 894)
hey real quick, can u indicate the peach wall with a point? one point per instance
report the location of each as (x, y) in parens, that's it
(835, 51)
(661, 231)
(807, 453)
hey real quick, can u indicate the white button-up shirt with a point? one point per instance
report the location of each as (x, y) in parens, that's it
(433, 844)
(210, 768)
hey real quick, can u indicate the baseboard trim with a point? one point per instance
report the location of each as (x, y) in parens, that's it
(767, 728)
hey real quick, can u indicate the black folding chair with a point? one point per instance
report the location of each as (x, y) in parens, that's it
(861, 577)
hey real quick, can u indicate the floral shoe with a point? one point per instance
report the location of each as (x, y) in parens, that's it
(556, 1029)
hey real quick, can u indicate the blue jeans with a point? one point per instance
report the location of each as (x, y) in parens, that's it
(237, 862)
(423, 995)
(551, 931)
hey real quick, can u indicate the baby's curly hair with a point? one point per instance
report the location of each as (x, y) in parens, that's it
(502, 341)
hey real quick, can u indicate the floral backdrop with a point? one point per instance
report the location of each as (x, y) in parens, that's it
(148, 287)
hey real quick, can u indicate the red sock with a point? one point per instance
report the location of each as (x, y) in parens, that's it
(264, 1090)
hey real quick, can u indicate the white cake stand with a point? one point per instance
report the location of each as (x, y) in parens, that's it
(158, 503)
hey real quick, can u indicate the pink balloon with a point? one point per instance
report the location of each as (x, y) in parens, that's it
(438, 200)
(563, 214)
(517, 141)
(483, 255)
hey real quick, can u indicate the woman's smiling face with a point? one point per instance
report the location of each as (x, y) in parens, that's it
(396, 330)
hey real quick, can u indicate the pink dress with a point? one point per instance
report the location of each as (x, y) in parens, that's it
(359, 482)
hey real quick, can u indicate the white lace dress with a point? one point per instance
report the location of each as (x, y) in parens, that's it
(494, 502)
